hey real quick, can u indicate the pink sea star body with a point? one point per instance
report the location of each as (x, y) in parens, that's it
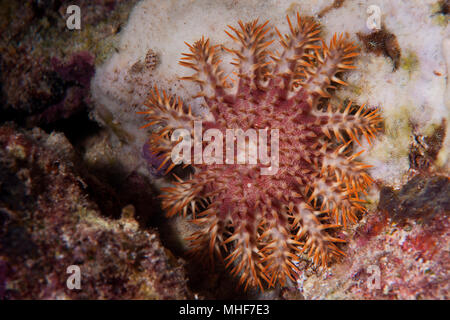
(265, 223)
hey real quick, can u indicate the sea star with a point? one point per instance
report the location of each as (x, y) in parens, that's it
(265, 223)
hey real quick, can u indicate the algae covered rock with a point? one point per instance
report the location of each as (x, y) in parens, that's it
(48, 223)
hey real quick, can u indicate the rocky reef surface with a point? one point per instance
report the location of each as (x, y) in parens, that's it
(78, 188)
(48, 222)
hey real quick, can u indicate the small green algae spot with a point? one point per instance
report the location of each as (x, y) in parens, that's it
(410, 62)
(355, 89)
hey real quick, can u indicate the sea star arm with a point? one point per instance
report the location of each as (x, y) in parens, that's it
(344, 168)
(169, 112)
(364, 121)
(279, 248)
(328, 62)
(246, 256)
(319, 245)
(204, 60)
(336, 199)
(250, 59)
(296, 50)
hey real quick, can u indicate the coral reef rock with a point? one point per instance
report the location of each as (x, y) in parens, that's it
(48, 223)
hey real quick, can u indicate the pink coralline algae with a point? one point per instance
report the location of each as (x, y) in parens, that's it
(76, 75)
(399, 251)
